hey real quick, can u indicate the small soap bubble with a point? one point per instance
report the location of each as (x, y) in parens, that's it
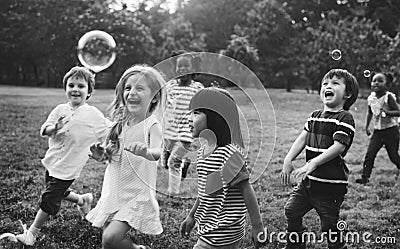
(96, 50)
(367, 73)
(336, 54)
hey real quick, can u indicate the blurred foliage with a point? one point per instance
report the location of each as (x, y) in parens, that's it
(285, 42)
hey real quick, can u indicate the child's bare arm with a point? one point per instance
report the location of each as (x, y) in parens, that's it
(333, 151)
(188, 224)
(151, 152)
(250, 200)
(294, 151)
(393, 108)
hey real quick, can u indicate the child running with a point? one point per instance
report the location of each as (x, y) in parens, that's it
(383, 111)
(177, 135)
(128, 197)
(327, 136)
(224, 191)
(71, 127)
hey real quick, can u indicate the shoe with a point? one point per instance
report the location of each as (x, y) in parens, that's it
(362, 180)
(87, 204)
(185, 168)
(27, 238)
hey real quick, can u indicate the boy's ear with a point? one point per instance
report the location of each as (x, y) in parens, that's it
(347, 96)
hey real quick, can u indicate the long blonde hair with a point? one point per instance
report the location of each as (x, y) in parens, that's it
(117, 110)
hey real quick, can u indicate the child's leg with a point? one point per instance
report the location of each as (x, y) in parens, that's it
(391, 141)
(175, 174)
(165, 154)
(296, 207)
(84, 201)
(115, 236)
(178, 151)
(50, 205)
(375, 144)
(328, 210)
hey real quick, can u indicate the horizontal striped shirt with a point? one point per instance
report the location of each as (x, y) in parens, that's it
(323, 128)
(220, 216)
(176, 119)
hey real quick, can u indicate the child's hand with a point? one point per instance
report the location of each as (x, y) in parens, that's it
(137, 148)
(305, 170)
(286, 171)
(260, 237)
(97, 152)
(187, 226)
(61, 121)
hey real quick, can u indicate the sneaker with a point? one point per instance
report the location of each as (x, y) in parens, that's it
(27, 238)
(185, 168)
(362, 180)
(87, 204)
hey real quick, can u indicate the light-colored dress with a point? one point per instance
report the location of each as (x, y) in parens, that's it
(128, 193)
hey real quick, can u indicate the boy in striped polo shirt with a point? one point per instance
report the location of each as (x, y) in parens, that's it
(327, 136)
(177, 135)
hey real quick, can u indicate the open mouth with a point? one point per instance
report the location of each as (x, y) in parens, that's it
(133, 101)
(329, 93)
(75, 95)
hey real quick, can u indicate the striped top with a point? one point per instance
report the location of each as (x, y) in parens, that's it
(220, 216)
(323, 128)
(176, 119)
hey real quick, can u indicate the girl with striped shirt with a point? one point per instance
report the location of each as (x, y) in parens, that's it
(224, 191)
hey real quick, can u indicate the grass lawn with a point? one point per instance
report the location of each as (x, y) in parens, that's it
(374, 208)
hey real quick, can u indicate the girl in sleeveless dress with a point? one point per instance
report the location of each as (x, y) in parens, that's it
(128, 197)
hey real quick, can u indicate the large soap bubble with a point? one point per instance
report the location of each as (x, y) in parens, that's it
(96, 50)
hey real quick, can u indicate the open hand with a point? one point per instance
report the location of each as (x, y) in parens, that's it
(97, 152)
(137, 148)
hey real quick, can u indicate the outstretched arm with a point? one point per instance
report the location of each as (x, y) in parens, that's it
(151, 152)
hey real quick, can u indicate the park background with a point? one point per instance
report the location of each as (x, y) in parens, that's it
(286, 43)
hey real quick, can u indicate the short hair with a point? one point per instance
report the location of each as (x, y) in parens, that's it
(350, 82)
(83, 73)
(217, 123)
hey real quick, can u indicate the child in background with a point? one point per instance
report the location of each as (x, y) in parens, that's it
(224, 191)
(327, 136)
(128, 197)
(71, 127)
(383, 109)
(177, 134)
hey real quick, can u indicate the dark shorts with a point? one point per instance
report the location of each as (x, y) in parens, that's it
(56, 190)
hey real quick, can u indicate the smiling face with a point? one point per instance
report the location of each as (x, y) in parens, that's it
(198, 123)
(138, 96)
(333, 93)
(379, 83)
(77, 91)
(184, 67)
